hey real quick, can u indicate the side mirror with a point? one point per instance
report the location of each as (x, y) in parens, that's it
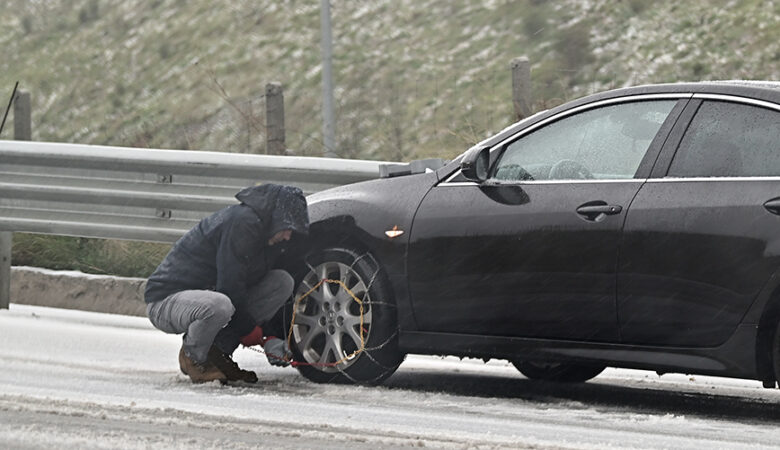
(475, 163)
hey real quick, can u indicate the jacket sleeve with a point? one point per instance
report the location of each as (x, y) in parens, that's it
(241, 239)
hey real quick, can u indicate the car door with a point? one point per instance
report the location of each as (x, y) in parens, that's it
(532, 251)
(702, 236)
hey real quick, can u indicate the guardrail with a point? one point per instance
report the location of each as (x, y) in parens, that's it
(140, 194)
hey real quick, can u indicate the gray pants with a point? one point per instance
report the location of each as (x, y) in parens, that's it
(209, 317)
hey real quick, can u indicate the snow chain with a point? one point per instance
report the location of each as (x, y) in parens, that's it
(363, 347)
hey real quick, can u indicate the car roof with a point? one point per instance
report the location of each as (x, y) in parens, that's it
(751, 83)
(747, 88)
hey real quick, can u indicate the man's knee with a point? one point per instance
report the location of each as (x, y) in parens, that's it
(284, 281)
(177, 312)
(221, 308)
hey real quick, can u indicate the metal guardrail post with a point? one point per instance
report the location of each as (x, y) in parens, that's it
(5, 269)
(22, 132)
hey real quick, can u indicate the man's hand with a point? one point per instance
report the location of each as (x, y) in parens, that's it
(278, 352)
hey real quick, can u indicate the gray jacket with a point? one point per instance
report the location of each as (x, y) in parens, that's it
(228, 251)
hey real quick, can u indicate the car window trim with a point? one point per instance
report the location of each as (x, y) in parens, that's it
(738, 99)
(563, 114)
(718, 179)
(540, 182)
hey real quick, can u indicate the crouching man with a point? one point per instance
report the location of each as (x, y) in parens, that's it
(216, 284)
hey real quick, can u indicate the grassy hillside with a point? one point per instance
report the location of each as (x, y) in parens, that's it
(414, 78)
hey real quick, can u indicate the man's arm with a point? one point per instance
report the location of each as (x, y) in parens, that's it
(242, 239)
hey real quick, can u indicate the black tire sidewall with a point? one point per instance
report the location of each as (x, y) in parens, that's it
(776, 352)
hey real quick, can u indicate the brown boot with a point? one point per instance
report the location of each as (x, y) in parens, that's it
(229, 367)
(199, 373)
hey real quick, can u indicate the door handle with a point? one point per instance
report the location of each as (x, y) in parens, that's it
(773, 206)
(597, 211)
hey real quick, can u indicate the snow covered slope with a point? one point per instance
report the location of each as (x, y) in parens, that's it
(413, 78)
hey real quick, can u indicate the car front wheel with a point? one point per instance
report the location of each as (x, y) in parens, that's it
(345, 321)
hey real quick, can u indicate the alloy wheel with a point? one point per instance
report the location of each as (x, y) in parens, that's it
(327, 328)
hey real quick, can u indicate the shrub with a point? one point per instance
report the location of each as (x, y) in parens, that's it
(89, 12)
(638, 6)
(99, 256)
(27, 24)
(573, 45)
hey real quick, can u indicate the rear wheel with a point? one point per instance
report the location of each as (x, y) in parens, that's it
(559, 372)
(333, 338)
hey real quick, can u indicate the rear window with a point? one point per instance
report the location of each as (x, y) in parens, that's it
(729, 140)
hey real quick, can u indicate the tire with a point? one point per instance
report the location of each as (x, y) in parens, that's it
(327, 322)
(558, 372)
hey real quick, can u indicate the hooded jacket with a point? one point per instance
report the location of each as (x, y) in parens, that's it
(228, 251)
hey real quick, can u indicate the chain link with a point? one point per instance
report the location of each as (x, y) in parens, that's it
(363, 348)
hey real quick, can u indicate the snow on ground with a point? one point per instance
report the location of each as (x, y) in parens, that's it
(74, 379)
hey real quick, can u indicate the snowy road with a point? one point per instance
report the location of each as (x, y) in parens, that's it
(73, 379)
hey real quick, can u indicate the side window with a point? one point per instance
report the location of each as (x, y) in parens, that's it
(729, 140)
(602, 143)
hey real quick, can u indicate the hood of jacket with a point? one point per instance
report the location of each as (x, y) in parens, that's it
(284, 205)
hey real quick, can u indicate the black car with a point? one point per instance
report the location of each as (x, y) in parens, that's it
(635, 228)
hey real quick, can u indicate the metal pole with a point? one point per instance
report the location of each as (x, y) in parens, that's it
(328, 121)
(521, 87)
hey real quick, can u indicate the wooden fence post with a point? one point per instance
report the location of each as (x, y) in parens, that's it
(274, 119)
(521, 87)
(22, 117)
(22, 132)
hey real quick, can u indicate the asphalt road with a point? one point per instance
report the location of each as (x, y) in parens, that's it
(82, 380)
